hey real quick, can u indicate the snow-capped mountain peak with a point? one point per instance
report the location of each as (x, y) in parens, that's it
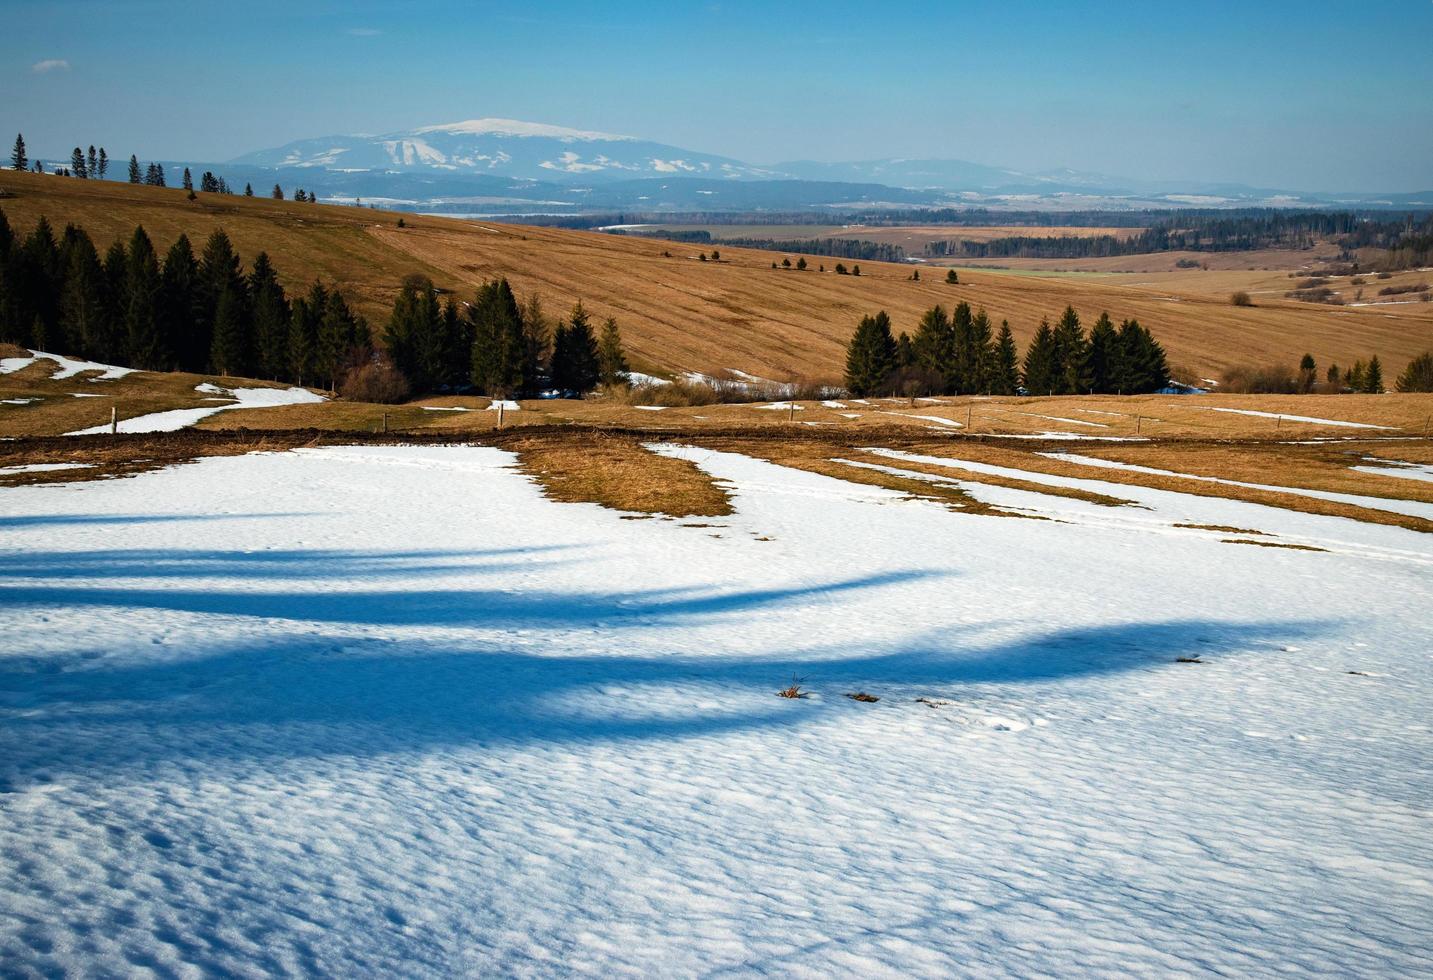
(516, 127)
(502, 148)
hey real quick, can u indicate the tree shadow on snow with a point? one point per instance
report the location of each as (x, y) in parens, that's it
(300, 692)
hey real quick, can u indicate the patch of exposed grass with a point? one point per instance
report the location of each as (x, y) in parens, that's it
(1221, 528)
(1272, 544)
(619, 472)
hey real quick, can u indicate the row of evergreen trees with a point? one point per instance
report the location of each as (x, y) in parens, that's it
(497, 345)
(960, 354)
(185, 312)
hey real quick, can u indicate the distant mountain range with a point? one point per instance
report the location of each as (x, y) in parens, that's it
(497, 165)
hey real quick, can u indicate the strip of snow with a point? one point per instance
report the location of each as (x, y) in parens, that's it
(446, 408)
(506, 404)
(831, 403)
(650, 408)
(1056, 418)
(1411, 508)
(1399, 468)
(927, 418)
(638, 378)
(18, 401)
(68, 367)
(182, 418)
(782, 407)
(1299, 418)
(42, 467)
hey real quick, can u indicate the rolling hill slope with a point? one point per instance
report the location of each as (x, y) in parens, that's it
(678, 313)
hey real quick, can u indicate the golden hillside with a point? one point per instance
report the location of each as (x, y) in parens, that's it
(680, 314)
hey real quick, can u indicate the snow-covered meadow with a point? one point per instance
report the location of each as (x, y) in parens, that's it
(388, 711)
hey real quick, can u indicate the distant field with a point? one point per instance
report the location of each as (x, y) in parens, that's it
(911, 237)
(680, 314)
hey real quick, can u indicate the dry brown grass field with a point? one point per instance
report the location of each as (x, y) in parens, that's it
(680, 314)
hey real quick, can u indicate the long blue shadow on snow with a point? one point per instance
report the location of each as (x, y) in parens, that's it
(60, 520)
(308, 697)
(488, 608)
(163, 563)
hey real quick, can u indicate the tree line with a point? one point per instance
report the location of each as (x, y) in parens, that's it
(1218, 232)
(498, 345)
(206, 313)
(187, 312)
(960, 354)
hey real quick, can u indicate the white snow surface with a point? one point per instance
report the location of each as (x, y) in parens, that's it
(68, 367)
(1299, 418)
(247, 728)
(1411, 508)
(182, 418)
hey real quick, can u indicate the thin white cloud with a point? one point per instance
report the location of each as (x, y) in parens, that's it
(50, 64)
(363, 32)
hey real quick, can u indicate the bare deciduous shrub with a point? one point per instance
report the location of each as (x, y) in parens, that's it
(1421, 287)
(374, 381)
(1181, 374)
(1240, 298)
(863, 697)
(1274, 379)
(793, 691)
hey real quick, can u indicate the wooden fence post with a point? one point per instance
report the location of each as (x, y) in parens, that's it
(113, 420)
(500, 411)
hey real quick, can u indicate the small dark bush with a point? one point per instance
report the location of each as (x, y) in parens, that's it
(376, 381)
(1274, 379)
(1240, 298)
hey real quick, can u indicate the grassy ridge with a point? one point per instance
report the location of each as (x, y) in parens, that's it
(678, 313)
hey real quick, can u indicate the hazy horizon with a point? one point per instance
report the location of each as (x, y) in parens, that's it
(1306, 97)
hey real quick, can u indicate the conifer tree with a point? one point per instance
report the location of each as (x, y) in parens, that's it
(1071, 354)
(231, 343)
(219, 270)
(278, 193)
(143, 343)
(303, 333)
(109, 344)
(188, 180)
(1308, 373)
(1373, 377)
(37, 276)
(133, 169)
(1142, 364)
(905, 352)
(1102, 356)
(870, 356)
(340, 334)
(103, 163)
(92, 164)
(1418, 375)
(270, 318)
(574, 355)
(19, 159)
(951, 277)
(612, 364)
(1005, 374)
(248, 190)
(82, 303)
(934, 343)
(1039, 376)
(414, 335)
(498, 343)
(77, 164)
(1355, 378)
(535, 330)
(178, 304)
(982, 353)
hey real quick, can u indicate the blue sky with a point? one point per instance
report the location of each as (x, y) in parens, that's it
(1308, 96)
